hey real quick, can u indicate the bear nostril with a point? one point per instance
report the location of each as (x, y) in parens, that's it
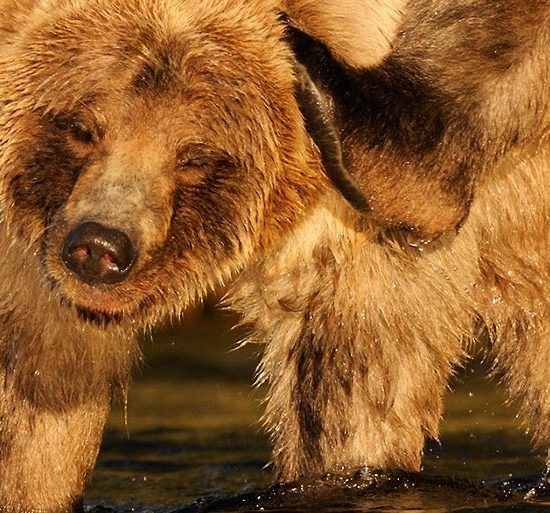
(98, 254)
(81, 253)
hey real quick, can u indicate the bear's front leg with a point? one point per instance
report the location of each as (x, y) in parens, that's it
(520, 345)
(361, 335)
(47, 454)
(344, 396)
(58, 373)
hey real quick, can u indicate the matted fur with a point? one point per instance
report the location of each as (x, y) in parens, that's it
(173, 121)
(180, 127)
(364, 317)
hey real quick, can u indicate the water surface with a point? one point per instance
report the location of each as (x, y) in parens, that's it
(192, 443)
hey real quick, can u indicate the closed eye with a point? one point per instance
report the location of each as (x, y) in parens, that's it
(200, 156)
(77, 130)
(185, 162)
(82, 134)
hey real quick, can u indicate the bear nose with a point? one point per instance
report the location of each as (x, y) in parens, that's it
(98, 254)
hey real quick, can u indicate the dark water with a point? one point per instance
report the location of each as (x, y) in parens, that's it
(193, 444)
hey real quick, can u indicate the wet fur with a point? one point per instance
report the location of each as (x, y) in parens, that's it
(161, 134)
(362, 318)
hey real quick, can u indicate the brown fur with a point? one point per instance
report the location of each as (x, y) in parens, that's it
(180, 128)
(360, 33)
(363, 320)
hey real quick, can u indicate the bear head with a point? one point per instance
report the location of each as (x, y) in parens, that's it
(149, 148)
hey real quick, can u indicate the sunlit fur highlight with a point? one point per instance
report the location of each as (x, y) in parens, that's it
(160, 77)
(362, 317)
(358, 32)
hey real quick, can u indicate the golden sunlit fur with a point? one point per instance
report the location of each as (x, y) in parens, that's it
(357, 32)
(364, 317)
(184, 127)
(165, 129)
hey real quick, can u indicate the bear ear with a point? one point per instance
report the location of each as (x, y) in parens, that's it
(323, 132)
(358, 33)
(386, 142)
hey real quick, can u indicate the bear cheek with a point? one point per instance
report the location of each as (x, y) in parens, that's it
(41, 186)
(206, 241)
(212, 218)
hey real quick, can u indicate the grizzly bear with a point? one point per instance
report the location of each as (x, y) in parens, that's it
(378, 205)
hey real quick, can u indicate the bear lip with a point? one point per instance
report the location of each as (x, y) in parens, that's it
(107, 301)
(92, 299)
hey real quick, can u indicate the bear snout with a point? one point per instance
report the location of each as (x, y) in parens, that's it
(98, 254)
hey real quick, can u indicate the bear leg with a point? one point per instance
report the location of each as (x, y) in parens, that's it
(47, 457)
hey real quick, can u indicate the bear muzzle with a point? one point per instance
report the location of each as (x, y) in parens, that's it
(98, 254)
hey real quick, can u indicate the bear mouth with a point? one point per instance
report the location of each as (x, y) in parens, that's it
(92, 305)
(99, 318)
(110, 310)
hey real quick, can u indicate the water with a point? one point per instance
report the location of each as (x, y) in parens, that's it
(193, 443)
